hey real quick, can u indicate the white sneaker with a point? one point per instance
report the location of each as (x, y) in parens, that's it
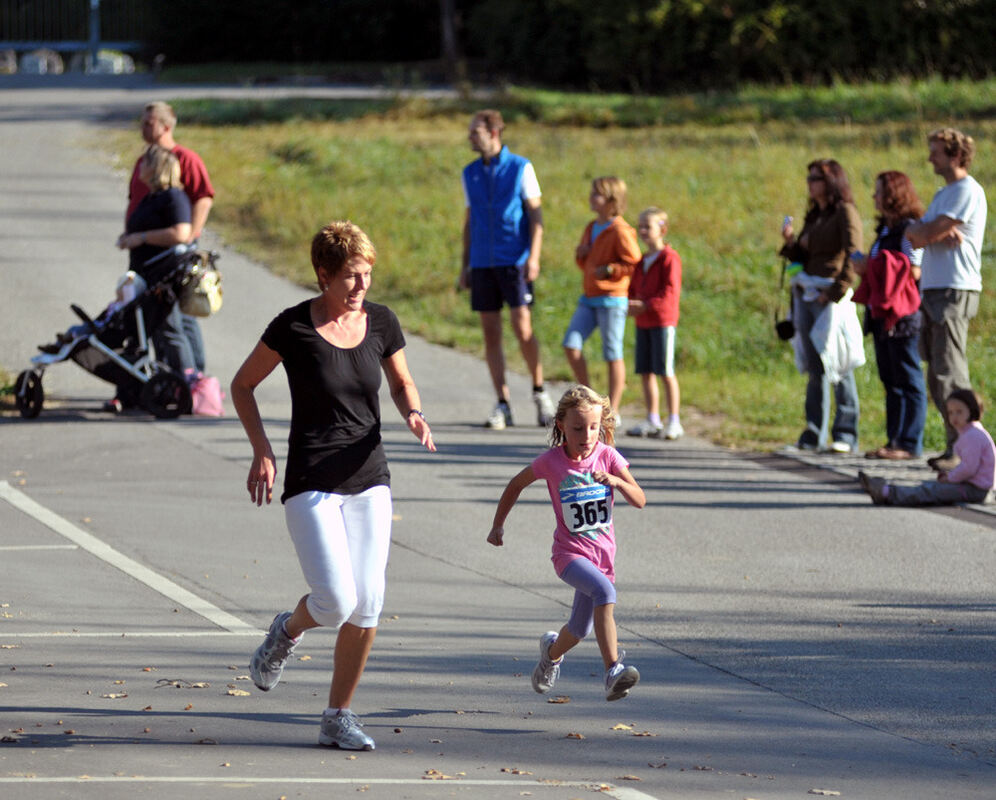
(619, 679)
(546, 671)
(342, 730)
(673, 430)
(545, 412)
(645, 428)
(500, 418)
(841, 447)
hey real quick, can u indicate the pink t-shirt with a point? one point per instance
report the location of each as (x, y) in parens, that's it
(583, 507)
(977, 453)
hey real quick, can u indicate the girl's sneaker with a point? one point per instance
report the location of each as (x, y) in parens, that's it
(342, 730)
(619, 679)
(547, 670)
(267, 663)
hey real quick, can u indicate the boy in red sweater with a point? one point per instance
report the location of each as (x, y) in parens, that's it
(654, 291)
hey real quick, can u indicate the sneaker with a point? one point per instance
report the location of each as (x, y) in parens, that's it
(545, 412)
(843, 448)
(645, 428)
(874, 487)
(267, 663)
(500, 418)
(547, 670)
(673, 430)
(619, 679)
(808, 440)
(112, 406)
(343, 730)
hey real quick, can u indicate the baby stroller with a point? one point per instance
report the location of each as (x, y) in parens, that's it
(115, 348)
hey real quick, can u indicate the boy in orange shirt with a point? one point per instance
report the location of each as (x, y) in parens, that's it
(607, 255)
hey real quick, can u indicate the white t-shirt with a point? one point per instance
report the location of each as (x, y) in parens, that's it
(528, 189)
(947, 267)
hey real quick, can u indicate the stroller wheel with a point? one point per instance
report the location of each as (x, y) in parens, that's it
(166, 395)
(28, 394)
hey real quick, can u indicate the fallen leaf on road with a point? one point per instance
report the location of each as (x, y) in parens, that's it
(703, 769)
(206, 741)
(620, 727)
(238, 693)
(9, 646)
(9, 739)
(574, 736)
(436, 775)
(515, 771)
(560, 699)
(69, 731)
(628, 778)
(825, 792)
(188, 706)
(115, 695)
(643, 733)
(659, 765)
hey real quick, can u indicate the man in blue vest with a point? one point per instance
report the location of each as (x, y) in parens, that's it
(502, 237)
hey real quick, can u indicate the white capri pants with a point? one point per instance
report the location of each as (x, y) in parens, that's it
(342, 542)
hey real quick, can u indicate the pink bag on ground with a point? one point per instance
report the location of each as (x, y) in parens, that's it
(207, 396)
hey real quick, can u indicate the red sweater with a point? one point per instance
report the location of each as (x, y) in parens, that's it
(660, 288)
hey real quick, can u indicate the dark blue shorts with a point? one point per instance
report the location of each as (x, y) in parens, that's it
(491, 287)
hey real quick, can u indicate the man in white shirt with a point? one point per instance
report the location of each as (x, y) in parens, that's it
(951, 234)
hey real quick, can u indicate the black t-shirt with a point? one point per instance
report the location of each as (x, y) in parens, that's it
(160, 210)
(334, 443)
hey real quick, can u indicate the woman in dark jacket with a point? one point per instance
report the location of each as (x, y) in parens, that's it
(830, 236)
(159, 222)
(897, 341)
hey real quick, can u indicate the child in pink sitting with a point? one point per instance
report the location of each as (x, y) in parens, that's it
(969, 482)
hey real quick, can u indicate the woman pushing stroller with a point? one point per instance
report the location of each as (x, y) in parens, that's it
(159, 222)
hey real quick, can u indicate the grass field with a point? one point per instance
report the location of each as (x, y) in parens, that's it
(727, 170)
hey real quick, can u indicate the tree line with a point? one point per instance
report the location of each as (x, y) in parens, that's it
(648, 46)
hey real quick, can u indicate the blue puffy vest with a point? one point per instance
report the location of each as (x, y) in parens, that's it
(499, 224)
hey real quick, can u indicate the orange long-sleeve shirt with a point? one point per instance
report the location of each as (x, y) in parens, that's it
(616, 245)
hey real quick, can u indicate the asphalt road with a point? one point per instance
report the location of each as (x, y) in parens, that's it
(791, 637)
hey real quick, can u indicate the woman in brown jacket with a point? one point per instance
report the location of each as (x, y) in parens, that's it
(830, 236)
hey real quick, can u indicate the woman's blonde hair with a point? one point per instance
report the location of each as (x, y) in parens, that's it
(583, 399)
(163, 168)
(338, 242)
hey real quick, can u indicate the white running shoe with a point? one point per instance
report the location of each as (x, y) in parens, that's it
(619, 679)
(267, 663)
(644, 429)
(545, 412)
(342, 730)
(547, 670)
(673, 430)
(500, 418)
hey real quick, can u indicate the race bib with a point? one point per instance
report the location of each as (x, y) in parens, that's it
(587, 507)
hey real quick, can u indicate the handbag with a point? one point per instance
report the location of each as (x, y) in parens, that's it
(784, 328)
(201, 295)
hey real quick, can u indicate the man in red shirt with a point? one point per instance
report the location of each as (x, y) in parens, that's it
(158, 123)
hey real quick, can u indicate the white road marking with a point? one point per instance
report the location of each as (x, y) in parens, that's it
(616, 792)
(129, 566)
(7, 547)
(129, 634)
